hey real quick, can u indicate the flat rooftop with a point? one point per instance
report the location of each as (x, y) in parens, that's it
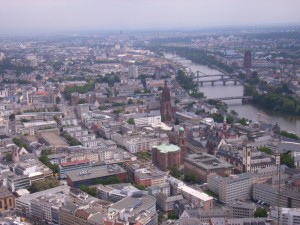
(95, 172)
(39, 123)
(165, 148)
(137, 204)
(208, 162)
(53, 139)
(197, 194)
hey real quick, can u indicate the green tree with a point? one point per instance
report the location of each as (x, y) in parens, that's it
(190, 177)
(130, 102)
(287, 160)
(131, 121)
(172, 216)
(140, 187)
(243, 121)
(20, 143)
(137, 91)
(57, 100)
(81, 101)
(38, 77)
(265, 150)
(44, 185)
(289, 135)
(175, 172)
(8, 157)
(176, 121)
(70, 140)
(12, 117)
(260, 212)
(89, 190)
(234, 113)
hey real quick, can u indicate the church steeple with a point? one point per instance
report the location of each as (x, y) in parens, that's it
(166, 109)
(15, 155)
(224, 126)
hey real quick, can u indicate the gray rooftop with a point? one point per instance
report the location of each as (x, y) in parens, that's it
(208, 162)
(95, 172)
(137, 204)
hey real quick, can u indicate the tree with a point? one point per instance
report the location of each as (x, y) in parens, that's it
(131, 121)
(20, 143)
(137, 91)
(265, 150)
(140, 187)
(289, 135)
(81, 101)
(8, 157)
(44, 185)
(260, 212)
(234, 113)
(12, 117)
(89, 190)
(172, 216)
(190, 178)
(287, 160)
(175, 172)
(243, 121)
(57, 100)
(38, 77)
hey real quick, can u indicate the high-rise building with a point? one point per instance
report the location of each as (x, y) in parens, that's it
(166, 109)
(247, 60)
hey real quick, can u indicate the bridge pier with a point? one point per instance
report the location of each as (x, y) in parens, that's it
(201, 83)
(224, 83)
(235, 82)
(212, 83)
(222, 77)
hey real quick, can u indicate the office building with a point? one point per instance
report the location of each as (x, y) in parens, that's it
(232, 188)
(89, 176)
(202, 165)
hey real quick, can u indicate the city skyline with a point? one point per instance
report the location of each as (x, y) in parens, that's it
(38, 16)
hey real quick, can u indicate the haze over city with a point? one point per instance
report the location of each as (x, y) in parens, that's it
(65, 15)
(149, 112)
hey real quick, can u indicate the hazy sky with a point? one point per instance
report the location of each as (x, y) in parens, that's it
(60, 15)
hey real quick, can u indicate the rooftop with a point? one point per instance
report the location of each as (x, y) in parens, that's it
(195, 193)
(165, 148)
(95, 172)
(39, 123)
(208, 162)
(134, 204)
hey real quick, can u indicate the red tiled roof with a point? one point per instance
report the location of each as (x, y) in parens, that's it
(41, 93)
(75, 162)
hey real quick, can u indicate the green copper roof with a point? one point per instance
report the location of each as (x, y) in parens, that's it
(181, 129)
(167, 148)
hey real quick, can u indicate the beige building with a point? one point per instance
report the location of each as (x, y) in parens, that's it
(234, 187)
(7, 199)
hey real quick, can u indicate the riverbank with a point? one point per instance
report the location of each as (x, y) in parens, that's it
(248, 111)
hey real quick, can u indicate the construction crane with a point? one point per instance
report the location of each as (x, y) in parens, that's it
(260, 115)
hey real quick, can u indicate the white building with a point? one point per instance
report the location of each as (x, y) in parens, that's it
(287, 216)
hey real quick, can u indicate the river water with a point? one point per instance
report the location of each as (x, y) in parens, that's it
(249, 111)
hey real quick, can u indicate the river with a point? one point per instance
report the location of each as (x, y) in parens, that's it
(249, 111)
